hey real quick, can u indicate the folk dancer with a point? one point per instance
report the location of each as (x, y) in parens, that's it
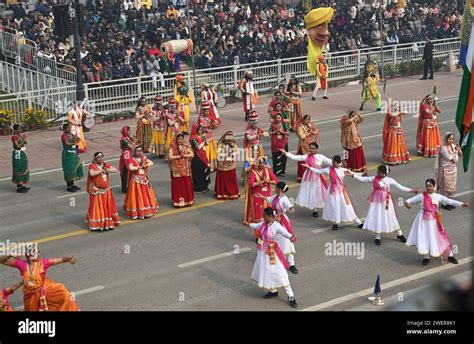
(338, 207)
(20, 170)
(381, 217)
(313, 189)
(159, 120)
(140, 201)
(102, 213)
(269, 270)
(427, 233)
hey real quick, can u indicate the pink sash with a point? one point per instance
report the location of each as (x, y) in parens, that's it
(310, 176)
(269, 241)
(336, 185)
(380, 194)
(281, 217)
(430, 212)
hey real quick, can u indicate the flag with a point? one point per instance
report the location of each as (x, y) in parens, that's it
(466, 25)
(377, 288)
(466, 105)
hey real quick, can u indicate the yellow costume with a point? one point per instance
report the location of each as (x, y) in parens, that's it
(184, 99)
(316, 24)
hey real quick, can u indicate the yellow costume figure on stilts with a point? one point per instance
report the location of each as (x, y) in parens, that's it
(184, 99)
(317, 27)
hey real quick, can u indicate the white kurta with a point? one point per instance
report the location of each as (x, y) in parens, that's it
(270, 276)
(287, 247)
(335, 208)
(381, 220)
(310, 194)
(423, 233)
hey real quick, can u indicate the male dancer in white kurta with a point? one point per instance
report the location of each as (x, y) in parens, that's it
(427, 232)
(281, 204)
(338, 207)
(269, 270)
(381, 217)
(313, 188)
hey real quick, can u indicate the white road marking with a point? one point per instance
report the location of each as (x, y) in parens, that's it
(72, 194)
(217, 256)
(464, 193)
(75, 293)
(390, 284)
(114, 158)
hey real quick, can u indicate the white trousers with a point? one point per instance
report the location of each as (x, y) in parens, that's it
(316, 88)
(399, 232)
(154, 76)
(290, 259)
(288, 291)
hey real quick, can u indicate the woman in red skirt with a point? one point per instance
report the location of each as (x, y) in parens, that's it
(179, 157)
(354, 157)
(227, 187)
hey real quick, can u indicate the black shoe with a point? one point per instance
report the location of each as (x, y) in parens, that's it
(423, 78)
(71, 189)
(21, 190)
(313, 99)
(27, 188)
(75, 187)
(256, 240)
(453, 260)
(379, 109)
(361, 108)
(425, 261)
(447, 207)
(325, 97)
(124, 191)
(246, 117)
(402, 238)
(361, 225)
(378, 242)
(431, 78)
(315, 214)
(270, 295)
(292, 302)
(335, 227)
(293, 269)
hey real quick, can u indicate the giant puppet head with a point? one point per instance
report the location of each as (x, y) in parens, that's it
(317, 27)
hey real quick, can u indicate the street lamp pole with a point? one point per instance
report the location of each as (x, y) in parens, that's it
(192, 56)
(80, 94)
(381, 40)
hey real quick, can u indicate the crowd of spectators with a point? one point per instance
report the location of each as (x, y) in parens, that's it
(122, 38)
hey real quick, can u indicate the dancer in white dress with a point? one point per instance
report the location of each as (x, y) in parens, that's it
(269, 270)
(427, 232)
(281, 204)
(312, 193)
(338, 207)
(381, 217)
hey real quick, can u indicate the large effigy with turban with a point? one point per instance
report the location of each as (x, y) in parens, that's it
(316, 22)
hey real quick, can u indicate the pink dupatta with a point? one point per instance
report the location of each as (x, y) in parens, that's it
(336, 185)
(380, 193)
(281, 216)
(431, 212)
(310, 176)
(270, 246)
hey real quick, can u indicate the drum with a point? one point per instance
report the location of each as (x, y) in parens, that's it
(221, 102)
(89, 123)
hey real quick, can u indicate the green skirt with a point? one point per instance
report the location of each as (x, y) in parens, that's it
(72, 166)
(21, 173)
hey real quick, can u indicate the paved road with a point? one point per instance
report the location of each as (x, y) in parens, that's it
(200, 258)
